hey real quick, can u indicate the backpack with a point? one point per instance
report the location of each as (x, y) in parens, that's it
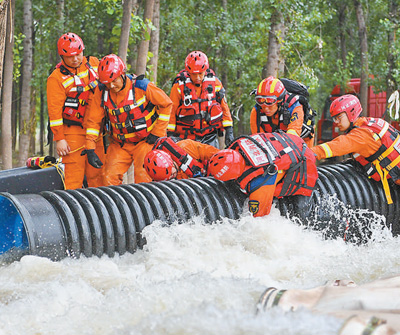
(294, 88)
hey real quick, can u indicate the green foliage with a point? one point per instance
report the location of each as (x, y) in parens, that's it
(235, 39)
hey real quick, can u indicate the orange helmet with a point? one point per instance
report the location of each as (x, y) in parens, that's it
(196, 62)
(70, 44)
(348, 104)
(110, 68)
(158, 165)
(226, 165)
(270, 91)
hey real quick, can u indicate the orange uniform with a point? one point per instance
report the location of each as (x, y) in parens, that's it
(293, 161)
(62, 84)
(275, 122)
(358, 140)
(375, 144)
(198, 126)
(128, 139)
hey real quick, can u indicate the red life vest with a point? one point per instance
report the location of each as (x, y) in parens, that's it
(190, 166)
(268, 153)
(387, 156)
(132, 120)
(76, 101)
(198, 115)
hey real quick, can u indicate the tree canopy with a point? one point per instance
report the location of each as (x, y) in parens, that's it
(320, 47)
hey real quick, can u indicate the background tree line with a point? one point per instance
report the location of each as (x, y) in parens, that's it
(320, 43)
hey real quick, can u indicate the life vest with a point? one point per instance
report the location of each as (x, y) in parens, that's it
(198, 115)
(285, 111)
(385, 163)
(190, 166)
(268, 153)
(77, 92)
(132, 120)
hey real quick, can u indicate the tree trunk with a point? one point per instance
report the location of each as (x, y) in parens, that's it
(144, 44)
(125, 28)
(391, 84)
(60, 16)
(6, 122)
(277, 33)
(3, 31)
(27, 69)
(342, 41)
(155, 41)
(42, 124)
(362, 33)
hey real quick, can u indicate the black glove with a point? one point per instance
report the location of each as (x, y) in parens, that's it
(151, 139)
(92, 157)
(228, 136)
(172, 134)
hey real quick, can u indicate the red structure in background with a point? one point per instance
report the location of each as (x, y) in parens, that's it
(376, 108)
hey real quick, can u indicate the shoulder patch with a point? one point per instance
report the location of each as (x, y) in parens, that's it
(254, 206)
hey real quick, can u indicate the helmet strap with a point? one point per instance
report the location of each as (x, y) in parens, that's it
(124, 80)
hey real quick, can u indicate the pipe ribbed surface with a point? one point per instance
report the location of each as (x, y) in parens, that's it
(107, 220)
(344, 204)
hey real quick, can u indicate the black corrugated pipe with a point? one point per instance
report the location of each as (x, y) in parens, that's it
(109, 220)
(106, 220)
(344, 204)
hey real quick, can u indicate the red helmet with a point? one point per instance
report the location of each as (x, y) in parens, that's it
(348, 104)
(196, 62)
(226, 165)
(110, 68)
(158, 165)
(70, 44)
(270, 91)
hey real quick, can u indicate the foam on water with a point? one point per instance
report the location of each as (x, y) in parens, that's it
(190, 278)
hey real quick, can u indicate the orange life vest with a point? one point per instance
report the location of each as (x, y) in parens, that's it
(268, 153)
(198, 115)
(76, 101)
(387, 158)
(132, 120)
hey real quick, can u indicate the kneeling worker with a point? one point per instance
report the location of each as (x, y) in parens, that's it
(267, 165)
(374, 143)
(172, 158)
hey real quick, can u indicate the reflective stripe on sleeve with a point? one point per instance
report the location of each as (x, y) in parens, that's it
(171, 127)
(163, 117)
(292, 131)
(227, 123)
(55, 123)
(92, 131)
(327, 150)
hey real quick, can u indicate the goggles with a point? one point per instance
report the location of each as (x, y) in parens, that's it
(266, 100)
(338, 117)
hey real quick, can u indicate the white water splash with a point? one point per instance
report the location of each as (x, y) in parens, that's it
(190, 278)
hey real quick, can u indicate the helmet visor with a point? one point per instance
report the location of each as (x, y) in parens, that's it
(266, 100)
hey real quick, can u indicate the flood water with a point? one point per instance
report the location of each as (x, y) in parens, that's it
(190, 278)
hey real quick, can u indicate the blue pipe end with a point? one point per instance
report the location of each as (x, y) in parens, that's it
(12, 230)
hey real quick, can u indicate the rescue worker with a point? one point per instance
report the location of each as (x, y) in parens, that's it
(276, 109)
(199, 110)
(70, 88)
(267, 165)
(374, 143)
(137, 114)
(173, 157)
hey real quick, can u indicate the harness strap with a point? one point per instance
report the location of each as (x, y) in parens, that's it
(297, 170)
(189, 165)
